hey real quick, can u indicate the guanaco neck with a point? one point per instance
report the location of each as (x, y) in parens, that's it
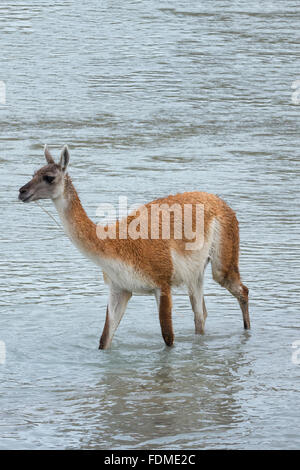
(78, 226)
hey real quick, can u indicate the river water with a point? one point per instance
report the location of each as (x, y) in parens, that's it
(152, 97)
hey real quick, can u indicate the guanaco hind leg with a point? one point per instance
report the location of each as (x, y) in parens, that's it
(198, 306)
(232, 282)
(240, 292)
(118, 300)
(225, 265)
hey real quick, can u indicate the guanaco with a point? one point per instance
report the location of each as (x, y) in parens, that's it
(148, 264)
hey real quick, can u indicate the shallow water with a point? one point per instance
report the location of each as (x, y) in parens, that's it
(153, 98)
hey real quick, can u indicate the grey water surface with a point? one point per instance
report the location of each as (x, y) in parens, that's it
(152, 97)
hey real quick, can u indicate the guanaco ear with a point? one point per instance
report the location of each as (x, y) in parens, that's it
(64, 158)
(48, 155)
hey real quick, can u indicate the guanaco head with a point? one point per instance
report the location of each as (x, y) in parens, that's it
(48, 181)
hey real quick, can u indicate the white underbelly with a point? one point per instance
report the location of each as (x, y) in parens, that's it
(119, 273)
(126, 277)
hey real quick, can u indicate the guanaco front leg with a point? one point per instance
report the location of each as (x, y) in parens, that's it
(164, 301)
(117, 303)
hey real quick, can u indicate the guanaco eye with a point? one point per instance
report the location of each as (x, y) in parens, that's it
(49, 179)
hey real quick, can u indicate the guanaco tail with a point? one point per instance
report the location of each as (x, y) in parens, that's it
(149, 264)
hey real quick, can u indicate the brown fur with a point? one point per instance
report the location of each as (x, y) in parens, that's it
(149, 257)
(152, 257)
(165, 316)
